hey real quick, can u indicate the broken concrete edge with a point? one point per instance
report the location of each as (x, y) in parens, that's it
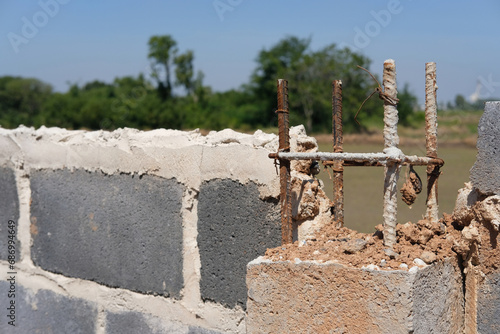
(262, 260)
(478, 217)
(477, 213)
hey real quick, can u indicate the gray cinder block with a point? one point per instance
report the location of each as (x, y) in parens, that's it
(485, 174)
(234, 227)
(488, 304)
(119, 230)
(48, 312)
(9, 209)
(135, 322)
(200, 330)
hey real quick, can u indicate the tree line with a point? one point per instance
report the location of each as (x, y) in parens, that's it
(174, 96)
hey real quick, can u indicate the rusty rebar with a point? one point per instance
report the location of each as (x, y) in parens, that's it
(432, 212)
(337, 166)
(359, 159)
(391, 158)
(285, 173)
(391, 142)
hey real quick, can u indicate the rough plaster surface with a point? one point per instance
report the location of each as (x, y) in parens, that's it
(9, 209)
(187, 156)
(485, 174)
(307, 297)
(121, 230)
(234, 227)
(47, 312)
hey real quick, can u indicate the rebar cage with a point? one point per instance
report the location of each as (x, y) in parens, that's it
(392, 158)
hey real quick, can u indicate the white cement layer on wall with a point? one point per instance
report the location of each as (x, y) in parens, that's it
(188, 156)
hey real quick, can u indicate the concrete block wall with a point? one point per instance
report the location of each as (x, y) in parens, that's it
(150, 232)
(313, 297)
(134, 232)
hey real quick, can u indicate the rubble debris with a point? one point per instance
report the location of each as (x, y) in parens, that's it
(355, 246)
(428, 257)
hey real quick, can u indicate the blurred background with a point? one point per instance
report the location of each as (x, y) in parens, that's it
(214, 64)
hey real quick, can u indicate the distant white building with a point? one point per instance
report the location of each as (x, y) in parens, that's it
(475, 96)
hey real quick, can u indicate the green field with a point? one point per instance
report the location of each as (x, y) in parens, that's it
(363, 186)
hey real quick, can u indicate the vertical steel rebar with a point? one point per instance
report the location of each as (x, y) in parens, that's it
(285, 174)
(338, 166)
(432, 212)
(391, 142)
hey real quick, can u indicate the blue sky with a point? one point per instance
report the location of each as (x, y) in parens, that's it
(78, 41)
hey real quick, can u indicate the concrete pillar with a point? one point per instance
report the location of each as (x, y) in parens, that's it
(485, 174)
(485, 178)
(309, 297)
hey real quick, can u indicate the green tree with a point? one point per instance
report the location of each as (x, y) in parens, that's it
(461, 102)
(128, 107)
(134, 101)
(200, 92)
(162, 50)
(309, 74)
(59, 110)
(21, 100)
(274, 64)
(407, 105)
(184, 71)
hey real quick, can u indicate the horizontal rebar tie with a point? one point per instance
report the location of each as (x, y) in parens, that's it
(381, 158)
